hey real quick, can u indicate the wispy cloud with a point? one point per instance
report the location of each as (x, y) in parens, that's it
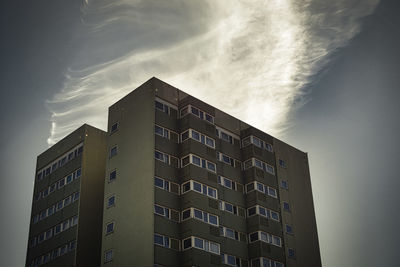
(249, 58)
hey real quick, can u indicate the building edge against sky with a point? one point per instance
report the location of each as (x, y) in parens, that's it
(65, 228)
(258, 208)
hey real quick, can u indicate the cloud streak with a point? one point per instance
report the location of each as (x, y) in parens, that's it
(252, 59)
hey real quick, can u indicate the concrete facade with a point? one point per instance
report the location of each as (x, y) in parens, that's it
(67, 206)
(170, 144)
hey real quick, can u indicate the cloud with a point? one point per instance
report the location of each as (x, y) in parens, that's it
(251, 59)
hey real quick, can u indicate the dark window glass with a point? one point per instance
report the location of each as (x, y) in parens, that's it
(185, 135)
(54, 167)
(76, 196)
(211, 166)
(228, 207)
(254, 237)
(231, 260)
(185, 161)
(209, 118)
(158, 239)
(61, 183)
(274, 215)
(198, 243)
(159, 182)
(197, 187)
(289, 229)
(195, 111)
(185, 214)
(284, 184)
(195, 135)
(158, 130)
(186, 187)
(78, 173)
(110, 227)
(109, 256)
(69, 178)
(196, 160)
(252, 211)
(67, 201)
(159, 105)
(114, 127)
(198, 214)
(80, 150)
(113, 151)
(286, 206)
(213, 219)
(113, 175)
(282, 163)
(291, 253)
(111, 201)
(159, 210)
(187, 243)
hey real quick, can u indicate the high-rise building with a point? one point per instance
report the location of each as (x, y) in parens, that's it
(189, 185)
(67, 208)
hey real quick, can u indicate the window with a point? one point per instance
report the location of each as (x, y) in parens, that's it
(228, 183)
(286, 206)
(257, 142)
(111, 202)
(67, 201)
(289, 229)
(78, 173)
(114, 128)
(199, 137)
(265, 237)
(200, 162)
(199, 188)
(197, 112)
(262, 211)
(110, 228)
(166, 241)
(270, 191)
(113, 151)
(166, 185)
(253, 162)
(199, 243)
(112, 175)
(75, 196)
(69, 179)
(57, 229)
(61, 183)
(228, 160)
(200, 215)
(284, 184)
(108, 255)
(236, 210)
(282, 163)
(166, 212)
(226, 135)
(167, 159)
(265, 262)
(164, 106)
(232, 234)
(230, 260)
(291, 253)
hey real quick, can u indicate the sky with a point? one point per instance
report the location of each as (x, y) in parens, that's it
(321, 76)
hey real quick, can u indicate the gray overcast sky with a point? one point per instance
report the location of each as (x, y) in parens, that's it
(330, 78)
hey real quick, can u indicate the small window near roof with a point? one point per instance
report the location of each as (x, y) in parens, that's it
(114, 127)
(108, 255)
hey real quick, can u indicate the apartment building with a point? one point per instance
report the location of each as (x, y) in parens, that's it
(189, 185)
(67, 206)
